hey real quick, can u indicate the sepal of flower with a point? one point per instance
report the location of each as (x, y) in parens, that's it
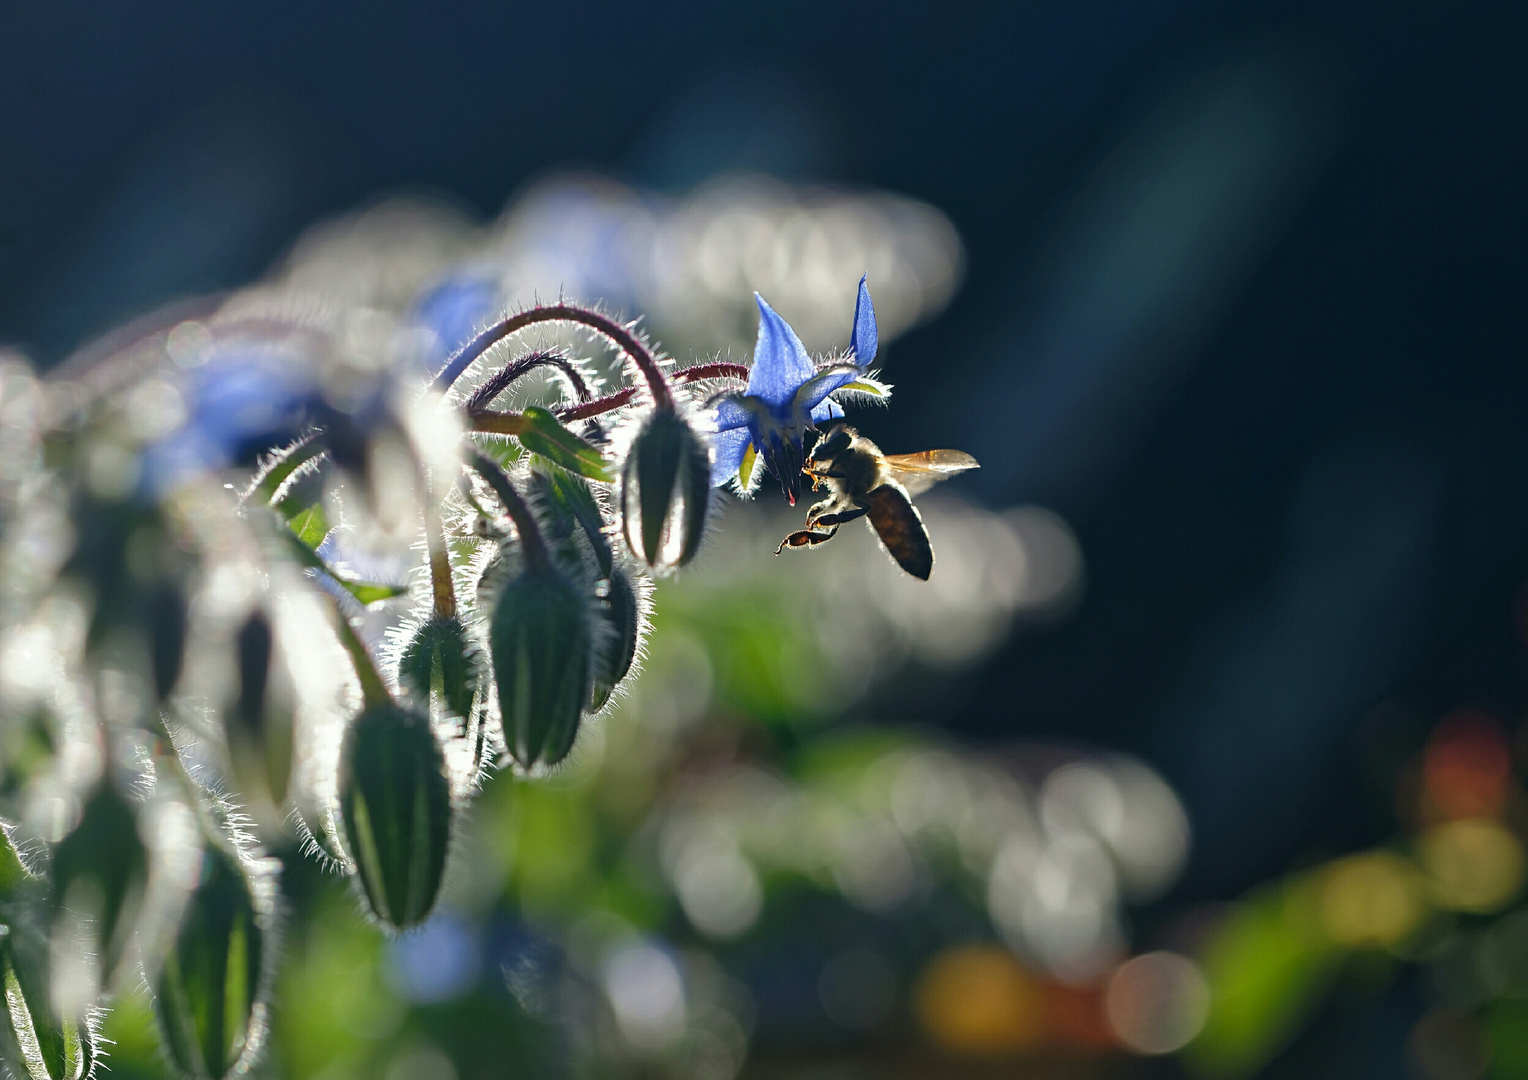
(208, 995)
(395, 804)
(35, 1041)
(787, 396)
(665, 492)
(540, 641)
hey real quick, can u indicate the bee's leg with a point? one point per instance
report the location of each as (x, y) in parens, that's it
(806, 538)
(815, 514)
(837, 519)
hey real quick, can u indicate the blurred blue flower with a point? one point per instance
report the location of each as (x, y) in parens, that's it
(787, 396)
(252, 396)
(438, 961)
(244, 400)
(453, 312)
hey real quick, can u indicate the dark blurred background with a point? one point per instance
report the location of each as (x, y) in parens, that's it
(1244, 300)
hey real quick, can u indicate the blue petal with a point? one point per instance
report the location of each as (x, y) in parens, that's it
(828, 410)
(865, 342)
(730, 415)
(780, 363)
(730, 447)
(823, 384)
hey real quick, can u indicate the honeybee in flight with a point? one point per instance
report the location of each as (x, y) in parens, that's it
(863, 482)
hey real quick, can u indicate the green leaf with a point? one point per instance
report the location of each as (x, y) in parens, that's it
(371, 592)
(282, 464)
(366, 592)
(310, 525)
(547, 437)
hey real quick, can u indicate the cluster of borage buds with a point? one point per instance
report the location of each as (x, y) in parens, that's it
(543, 525)
(550, 611)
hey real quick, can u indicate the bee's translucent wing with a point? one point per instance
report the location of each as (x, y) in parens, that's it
(919, 472)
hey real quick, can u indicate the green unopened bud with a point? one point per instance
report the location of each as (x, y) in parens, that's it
(207, 996)
(665, 492)
(260, 723)
(439, 664)
(33, 1043)
(540, 642)
(17, 877)
(620, 608)
(99, 871)
(395, 800)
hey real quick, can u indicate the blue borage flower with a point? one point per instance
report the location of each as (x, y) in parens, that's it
(787, 397)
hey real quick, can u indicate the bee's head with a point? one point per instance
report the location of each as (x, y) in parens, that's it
(835, 442)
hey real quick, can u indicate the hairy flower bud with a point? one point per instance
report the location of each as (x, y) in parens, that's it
(207, 996)
(439, 663)
(33, 1043)
(620, 608)
(259, 730)
(395, 799)
(540, 639)
(99, 871)
(665, 492)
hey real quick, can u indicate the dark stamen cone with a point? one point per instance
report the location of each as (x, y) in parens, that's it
(540, 641)
(395, 799)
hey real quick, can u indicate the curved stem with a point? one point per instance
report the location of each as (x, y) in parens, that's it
(711, 371)
(606, 327)
(534, 546)
(599, 405)
(509, 423)
(499, 423)
(483, 396)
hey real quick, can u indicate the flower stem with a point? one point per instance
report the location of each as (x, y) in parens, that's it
(441, 586)
(373, 689)
(511, 423)
(499, 423)
(710, 371)
(536, 556)
(603, 325)
(483, 396)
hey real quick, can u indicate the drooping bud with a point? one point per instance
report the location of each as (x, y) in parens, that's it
(259, 730)
(439, 663)
(620, 608)
(395, 800)
(33, 1043)
(540, 640)
(99, 871)
(165, 612)
(207, 996)
(665, 492)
